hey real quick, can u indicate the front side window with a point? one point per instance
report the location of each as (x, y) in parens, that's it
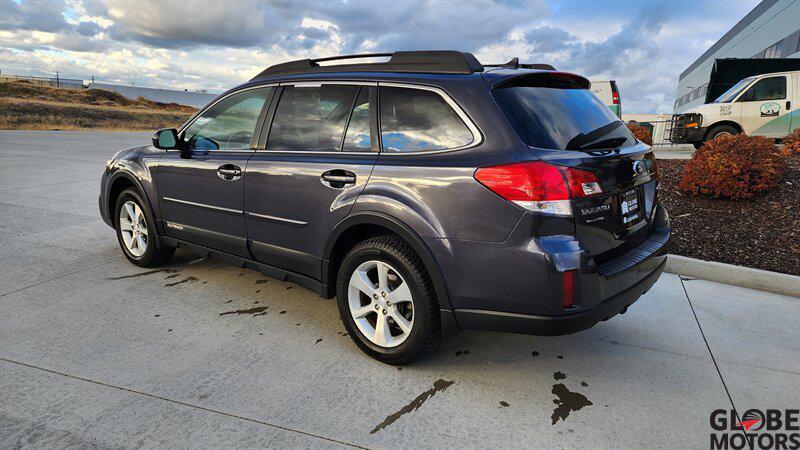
(731, 93)
(229, 124)
(773, 88)
(312, 118)
(414, 120)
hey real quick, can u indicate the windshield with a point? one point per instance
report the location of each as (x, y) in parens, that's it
(731, 93)
(562, 119)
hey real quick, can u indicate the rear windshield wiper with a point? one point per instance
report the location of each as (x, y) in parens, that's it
(603, 143)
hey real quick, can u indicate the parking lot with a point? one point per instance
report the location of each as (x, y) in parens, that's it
(95, 351)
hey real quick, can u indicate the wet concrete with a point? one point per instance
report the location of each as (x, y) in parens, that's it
(84, 361)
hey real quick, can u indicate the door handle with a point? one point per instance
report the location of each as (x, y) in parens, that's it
(229, 172)
(338, 178)
(788, 105)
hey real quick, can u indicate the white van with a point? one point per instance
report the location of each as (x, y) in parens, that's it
(761, 105)
(608, 93)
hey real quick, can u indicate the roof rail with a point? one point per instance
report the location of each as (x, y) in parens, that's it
(515, 64)
(434, 61)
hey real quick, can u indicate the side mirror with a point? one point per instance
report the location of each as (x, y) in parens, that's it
(166, 139)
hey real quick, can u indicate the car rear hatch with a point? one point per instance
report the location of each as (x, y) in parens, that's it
(611, 177)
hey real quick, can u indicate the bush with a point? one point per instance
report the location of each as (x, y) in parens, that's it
(734, 166)
(791, 143)
(641, 133)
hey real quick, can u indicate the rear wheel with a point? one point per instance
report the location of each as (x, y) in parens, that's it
(386, 301)
(720, 130)
(136, 234)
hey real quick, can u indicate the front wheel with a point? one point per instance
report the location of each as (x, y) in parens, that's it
(386, 301)
(135, 233)
(720, 130)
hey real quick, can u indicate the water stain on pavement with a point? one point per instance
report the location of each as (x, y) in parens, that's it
(534, 354)
(584, 384)
(318, 341)
(141, 274)
(503, 403)
(255, 311)
(460, 352)
(567, 402)
(559, 376)
(560, 356)
(185, 280)
(262, 281)
(172, 276)
(438, 386)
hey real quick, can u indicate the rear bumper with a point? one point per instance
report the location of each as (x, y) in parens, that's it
(476, 319)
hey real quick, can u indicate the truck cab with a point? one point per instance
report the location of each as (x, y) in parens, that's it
(760, 105)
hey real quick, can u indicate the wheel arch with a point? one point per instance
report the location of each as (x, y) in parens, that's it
(118, 182)
(372, 222)
(720, 123)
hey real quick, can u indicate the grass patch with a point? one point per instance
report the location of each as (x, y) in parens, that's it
(26, 106)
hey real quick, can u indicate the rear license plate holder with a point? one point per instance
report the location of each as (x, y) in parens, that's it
(630, 208)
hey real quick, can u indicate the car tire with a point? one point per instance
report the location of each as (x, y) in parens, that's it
(136, 232)
(398, 343)
(720, 130)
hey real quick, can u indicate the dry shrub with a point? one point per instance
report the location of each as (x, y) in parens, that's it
(791, 143)
(641, 133)
(734, 166)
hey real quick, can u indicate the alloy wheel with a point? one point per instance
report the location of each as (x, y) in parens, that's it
(133, 228)
(381, 304)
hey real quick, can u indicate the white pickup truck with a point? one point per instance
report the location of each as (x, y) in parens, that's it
(761, 105)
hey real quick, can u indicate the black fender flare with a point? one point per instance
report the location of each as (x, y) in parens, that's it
(404, 231)
(151, 212)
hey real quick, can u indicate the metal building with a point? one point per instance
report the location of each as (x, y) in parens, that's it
(770, 30)
(196, 99)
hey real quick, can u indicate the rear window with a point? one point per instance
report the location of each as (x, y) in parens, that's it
(416, 120)
(562, 119)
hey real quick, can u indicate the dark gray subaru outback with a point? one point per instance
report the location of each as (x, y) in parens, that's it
(428, 193)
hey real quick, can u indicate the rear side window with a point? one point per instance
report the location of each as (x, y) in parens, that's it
(417, 120)
(562, 119)
(767, 89)
(311, 118)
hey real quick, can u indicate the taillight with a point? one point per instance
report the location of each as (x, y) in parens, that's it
(568, 291)
(539, 186)
(614, 93)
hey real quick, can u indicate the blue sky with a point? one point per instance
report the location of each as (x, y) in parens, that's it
(194, 44)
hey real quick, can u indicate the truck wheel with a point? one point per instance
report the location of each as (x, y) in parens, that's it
(136, 235)
(720, 130)
(387, 302)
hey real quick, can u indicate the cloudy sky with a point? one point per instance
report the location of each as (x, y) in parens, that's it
(214, 45)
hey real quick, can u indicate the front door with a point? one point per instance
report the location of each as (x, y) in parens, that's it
(201, 187)
(766, 106)
(319, 154)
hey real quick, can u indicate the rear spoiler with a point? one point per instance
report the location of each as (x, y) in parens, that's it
(556, 80)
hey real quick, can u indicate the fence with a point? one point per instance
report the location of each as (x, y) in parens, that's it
(70, 83)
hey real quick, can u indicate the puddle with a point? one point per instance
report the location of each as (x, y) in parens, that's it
(185, 280)
(257, 311)
(141, 274)
(567, 402)
(438, 386)
(559, 376)
(534, 354)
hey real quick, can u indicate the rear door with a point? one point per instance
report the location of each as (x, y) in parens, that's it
(200, 188)
(317, 156)
(765, 107)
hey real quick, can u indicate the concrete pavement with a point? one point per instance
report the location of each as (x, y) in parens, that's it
(96, 352)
